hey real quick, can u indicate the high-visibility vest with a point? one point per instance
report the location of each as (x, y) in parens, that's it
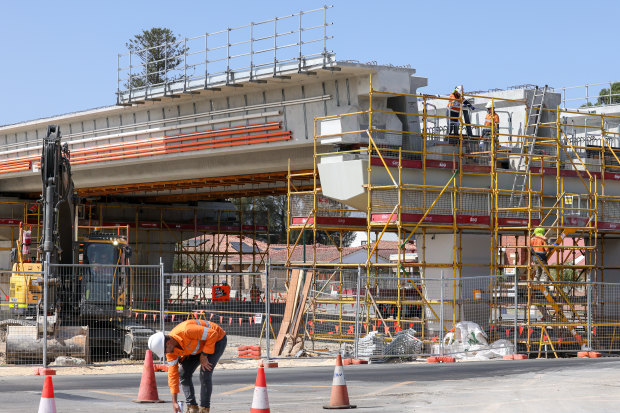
(454, 104)
(537, 243)
(194, 337)
(489, 117)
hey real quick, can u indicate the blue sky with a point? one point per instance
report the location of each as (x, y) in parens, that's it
(61, 56)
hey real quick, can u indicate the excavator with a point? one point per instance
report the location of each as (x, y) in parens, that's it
(89, 279)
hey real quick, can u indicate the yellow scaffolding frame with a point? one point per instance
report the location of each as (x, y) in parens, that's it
(570, 217)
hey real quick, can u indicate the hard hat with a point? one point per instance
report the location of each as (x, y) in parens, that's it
(489, 105)
(539, 232)
(157, 344)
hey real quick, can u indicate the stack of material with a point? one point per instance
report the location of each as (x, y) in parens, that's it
(404, 346)
(252, 352)
(296, 296)
(371, 345)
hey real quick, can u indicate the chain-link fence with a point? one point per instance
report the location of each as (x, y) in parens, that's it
(382, 317)
(106, 313)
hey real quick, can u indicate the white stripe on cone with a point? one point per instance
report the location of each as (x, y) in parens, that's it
(338, 377)
(260, 402)
(47, 405)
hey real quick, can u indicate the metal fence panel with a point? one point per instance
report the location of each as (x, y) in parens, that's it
(106, 313)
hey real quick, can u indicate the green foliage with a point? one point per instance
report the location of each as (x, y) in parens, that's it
(606, 97)
(272, 211)
(159, 53)
(268, 210)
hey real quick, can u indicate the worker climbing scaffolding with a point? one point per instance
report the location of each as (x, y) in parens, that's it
(540, 249)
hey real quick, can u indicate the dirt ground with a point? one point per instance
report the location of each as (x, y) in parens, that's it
(229, 361)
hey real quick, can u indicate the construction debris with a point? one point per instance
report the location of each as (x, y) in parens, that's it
(68, 361)
(404, 347)
(294, 346)
(469, 342)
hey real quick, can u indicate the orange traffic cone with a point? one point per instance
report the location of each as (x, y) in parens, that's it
(47, 403)
(340, 397)
(148, 385)
(260, 401)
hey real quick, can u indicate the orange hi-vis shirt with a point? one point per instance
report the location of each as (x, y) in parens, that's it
(537, 242)
(454, 104)
(487, 120)
(194, 337)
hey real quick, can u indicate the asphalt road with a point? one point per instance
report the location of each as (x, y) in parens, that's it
(567, 385)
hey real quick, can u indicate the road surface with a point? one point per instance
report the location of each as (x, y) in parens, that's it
(566, 385)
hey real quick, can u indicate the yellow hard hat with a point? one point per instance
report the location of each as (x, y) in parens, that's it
(539, 232)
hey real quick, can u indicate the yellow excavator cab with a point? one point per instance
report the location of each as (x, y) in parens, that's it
(25, 290)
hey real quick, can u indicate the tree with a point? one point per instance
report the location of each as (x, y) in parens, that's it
(268, 210)
(159, 52)
(274, 207)
(609, 98)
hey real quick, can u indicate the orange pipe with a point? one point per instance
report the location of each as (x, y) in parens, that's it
(160, 146)
(169, 148)
(182, 137)
(140, 154)
(123, 149)
(214, 132)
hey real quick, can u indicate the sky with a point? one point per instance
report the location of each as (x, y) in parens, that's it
(61, 56)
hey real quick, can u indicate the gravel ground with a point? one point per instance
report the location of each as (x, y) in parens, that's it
(229, 360)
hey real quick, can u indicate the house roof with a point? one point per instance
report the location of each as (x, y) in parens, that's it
(514, 244)
(239, 249)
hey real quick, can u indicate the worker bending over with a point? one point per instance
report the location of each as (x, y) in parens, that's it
(189, 344)
(539, 245)
(455, 102)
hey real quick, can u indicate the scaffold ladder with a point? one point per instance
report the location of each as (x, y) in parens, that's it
(534, 116)
(551, 298)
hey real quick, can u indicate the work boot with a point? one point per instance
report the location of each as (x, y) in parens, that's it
(191, 408)
(204, 410)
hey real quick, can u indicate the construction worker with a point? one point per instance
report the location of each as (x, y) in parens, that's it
(456, 100)
(491, 124)
(190, 344)
(539, 245)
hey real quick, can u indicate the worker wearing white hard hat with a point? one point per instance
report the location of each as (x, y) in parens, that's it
(190, 344)
(456, 101)
(491, 128)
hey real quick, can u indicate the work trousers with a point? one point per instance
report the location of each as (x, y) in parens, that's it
(187, 368)
(541, 275)
(453, 124)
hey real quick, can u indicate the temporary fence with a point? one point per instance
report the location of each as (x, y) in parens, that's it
(383, 316)
(106, 313)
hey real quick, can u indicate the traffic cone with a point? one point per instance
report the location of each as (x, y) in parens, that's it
(148, 385)
(47, 403)
(340, 397)
(260, 401)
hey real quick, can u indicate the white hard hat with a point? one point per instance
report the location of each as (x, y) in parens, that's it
(157, 344)
(489, 105)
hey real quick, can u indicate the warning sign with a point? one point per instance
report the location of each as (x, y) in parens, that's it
(220, 293)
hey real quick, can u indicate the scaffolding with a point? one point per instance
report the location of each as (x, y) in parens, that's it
(559, 173)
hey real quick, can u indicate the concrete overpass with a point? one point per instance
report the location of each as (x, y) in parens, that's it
(160, 158)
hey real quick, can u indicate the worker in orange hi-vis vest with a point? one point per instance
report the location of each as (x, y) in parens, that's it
(455, 101)
(190, 344)
(491, 127)
(540, 247)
